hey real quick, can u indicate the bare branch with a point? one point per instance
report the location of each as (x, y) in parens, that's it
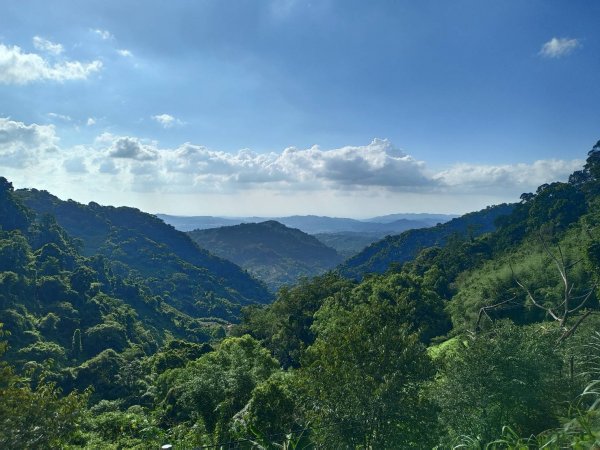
(571, 330)
(484, 310)
(585, 299)
(530, 296)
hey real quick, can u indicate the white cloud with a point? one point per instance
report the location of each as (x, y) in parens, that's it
(90, 122)
(124, 52)
(558, 47)
(22, 145)
(17, 67)
(166, 120)
(131, 148)
(502, 177)
(45, 45)
(378, 165)
(359, 178)
(104, 34)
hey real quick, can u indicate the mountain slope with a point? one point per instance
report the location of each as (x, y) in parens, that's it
(269, 250)
(142, 247)
(401, 248)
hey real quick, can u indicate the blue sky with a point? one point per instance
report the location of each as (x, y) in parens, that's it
(346, 108)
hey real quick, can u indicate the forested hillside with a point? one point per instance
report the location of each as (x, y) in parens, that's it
(377, 257)
(139, 246)
(483, 333)
(270, 251)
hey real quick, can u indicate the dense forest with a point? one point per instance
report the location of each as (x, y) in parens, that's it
(119, 332)
(272, 252)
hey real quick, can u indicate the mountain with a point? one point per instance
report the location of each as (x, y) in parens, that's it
(269, 250)
(349, 243)
(74, 319)
(324, 224)
(432, 219)
(379, 256)
(311, 224)
(189, 223)
(142, 247)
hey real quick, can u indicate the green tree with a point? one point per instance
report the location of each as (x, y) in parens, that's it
(364, 373)
(511, 376)
(211, 390)
(36, 418)
(273, 410)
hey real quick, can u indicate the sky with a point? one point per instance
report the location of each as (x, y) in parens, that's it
(277, 107)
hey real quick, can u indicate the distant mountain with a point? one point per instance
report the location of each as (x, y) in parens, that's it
(433, 219)
(189, 223)
(271, 251)
(167, 261)
(314, 224)
(323, 224)
(349, 243)
(378, 257)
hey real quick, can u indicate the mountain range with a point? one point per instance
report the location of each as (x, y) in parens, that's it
(390, 224)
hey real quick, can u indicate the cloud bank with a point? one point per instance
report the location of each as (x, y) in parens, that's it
(125, 164)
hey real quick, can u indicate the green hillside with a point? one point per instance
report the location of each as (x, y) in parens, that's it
(141, 247)
(378, 257)
(270, 251)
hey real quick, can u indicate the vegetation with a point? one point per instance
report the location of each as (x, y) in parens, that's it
(270, 251)
(454, 337)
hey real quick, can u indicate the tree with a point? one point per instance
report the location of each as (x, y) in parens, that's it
(208, 392)
(36, 418)
(509, 376)
(572, 300)
(363, 375)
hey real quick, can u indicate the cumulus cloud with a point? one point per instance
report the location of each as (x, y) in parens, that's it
(166, 120)
(558, 47)
(17, 67)
(131, 148)
(124, 52)
(22, 144)
(377, 167)
(378, 164)
(45, 45)
(122, 164)
(91, 121)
